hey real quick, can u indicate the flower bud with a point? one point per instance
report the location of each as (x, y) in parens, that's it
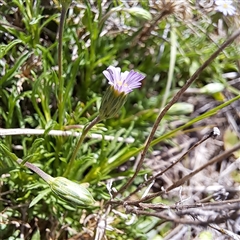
(71, 191)
(212, 88)
(181, 108)
(111, 103)
(140, 13)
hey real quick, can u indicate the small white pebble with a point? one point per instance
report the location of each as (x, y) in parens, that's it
(216, 132)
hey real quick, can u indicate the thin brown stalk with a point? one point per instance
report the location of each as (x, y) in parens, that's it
(174, 218)
(219, 205)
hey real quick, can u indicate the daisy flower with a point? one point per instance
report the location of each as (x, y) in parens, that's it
(121, 83)
(225, 6)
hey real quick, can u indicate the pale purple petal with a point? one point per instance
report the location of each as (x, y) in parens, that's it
(133, 80)
(112, 74)
(123, 81)
(124, 75)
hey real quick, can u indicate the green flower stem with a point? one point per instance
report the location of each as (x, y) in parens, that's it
(60, 67)
(80, 141)
(37, 170)
(108, 14)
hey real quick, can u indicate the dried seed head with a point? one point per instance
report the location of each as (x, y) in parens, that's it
(180, 8)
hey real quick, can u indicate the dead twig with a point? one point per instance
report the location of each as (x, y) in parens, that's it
(187, 177)
(170, 166)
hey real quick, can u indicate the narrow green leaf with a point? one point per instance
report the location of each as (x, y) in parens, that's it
(11, 72)
(39, 197)
(5, 48)
(36, 235)
(5, 151)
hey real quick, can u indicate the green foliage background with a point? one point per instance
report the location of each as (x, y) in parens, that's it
(95, 36)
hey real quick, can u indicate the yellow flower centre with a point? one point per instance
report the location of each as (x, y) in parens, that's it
(120, 83)
(225, 5)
